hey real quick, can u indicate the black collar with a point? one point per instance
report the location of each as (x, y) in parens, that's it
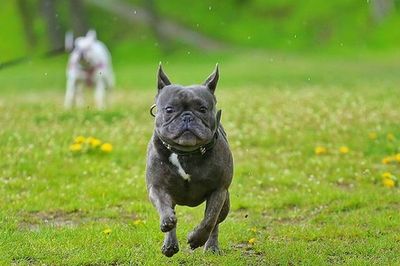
(201, 150)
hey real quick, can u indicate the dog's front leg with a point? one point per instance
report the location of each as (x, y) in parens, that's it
(201, 233)
(70, 93)
(100, 94)
(165, 207)
(170, 245)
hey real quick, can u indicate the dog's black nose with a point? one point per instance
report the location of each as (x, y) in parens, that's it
(187, 117)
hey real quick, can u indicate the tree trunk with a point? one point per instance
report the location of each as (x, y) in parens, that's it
(168, 28)
(54, 29)
(27, 22)
(154, 23)
(381, 9)
(78, 17)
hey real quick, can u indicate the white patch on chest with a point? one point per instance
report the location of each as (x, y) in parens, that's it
(173, 158)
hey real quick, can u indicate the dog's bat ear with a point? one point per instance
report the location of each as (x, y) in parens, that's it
(212, 80)
(162, 79)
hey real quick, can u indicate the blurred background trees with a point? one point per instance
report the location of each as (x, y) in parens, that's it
(155, 26)
(381, 9)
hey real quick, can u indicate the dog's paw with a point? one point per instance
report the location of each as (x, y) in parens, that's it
(168, 223)
(198, 238)
(169, 249)
(213, 249)
(211, 246)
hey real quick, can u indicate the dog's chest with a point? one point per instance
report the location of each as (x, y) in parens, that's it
(189, 179)
(174, 160)
(89, 75)
(191, 170)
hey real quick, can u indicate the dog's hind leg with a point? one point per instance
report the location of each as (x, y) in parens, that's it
(202, 232)
(170, 245)
(100, 94)
(212, 242)
(70, 93)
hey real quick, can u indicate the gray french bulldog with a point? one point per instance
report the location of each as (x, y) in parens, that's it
(189, 160)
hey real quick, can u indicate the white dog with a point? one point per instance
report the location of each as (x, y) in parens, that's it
(90, 64)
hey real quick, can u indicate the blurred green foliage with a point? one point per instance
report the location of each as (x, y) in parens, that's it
(12, 42)
(341, 26)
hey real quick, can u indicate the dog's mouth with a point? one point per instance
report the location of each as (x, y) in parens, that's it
(185, 135)
(187, 138)
(185, 131)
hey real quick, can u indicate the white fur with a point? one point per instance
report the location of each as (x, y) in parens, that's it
(98, 59)
(173, 158)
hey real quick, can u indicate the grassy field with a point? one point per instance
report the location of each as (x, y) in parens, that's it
(290, 205)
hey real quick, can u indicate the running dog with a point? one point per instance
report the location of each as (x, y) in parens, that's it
(189, 160)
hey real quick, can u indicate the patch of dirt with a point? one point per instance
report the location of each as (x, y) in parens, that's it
(24, 261)
(296, 216)
(336, 259)
(249, 251)
(32, 221)
(344, 185)
(289, 219)
(109, 263)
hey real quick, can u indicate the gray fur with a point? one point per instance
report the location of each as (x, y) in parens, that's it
(187, 119)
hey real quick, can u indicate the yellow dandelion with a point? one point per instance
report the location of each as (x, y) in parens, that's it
(94, 143)
(344, 149)
(388, 182)
(372, 135)
(79, 139)
(397, 157)
(390, 137)
(107, 231)
(138, 221)
(388, 160)
(319, 150)
(386, 175)
(106, 147)
(253, 229)
(252, 241)
(75, 147)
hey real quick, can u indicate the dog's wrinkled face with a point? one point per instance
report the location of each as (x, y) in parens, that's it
(186, 116)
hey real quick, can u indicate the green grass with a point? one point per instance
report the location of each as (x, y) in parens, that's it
(301, 208)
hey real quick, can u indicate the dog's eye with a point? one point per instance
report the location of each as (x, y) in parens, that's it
(169, 110)
(203, 109)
